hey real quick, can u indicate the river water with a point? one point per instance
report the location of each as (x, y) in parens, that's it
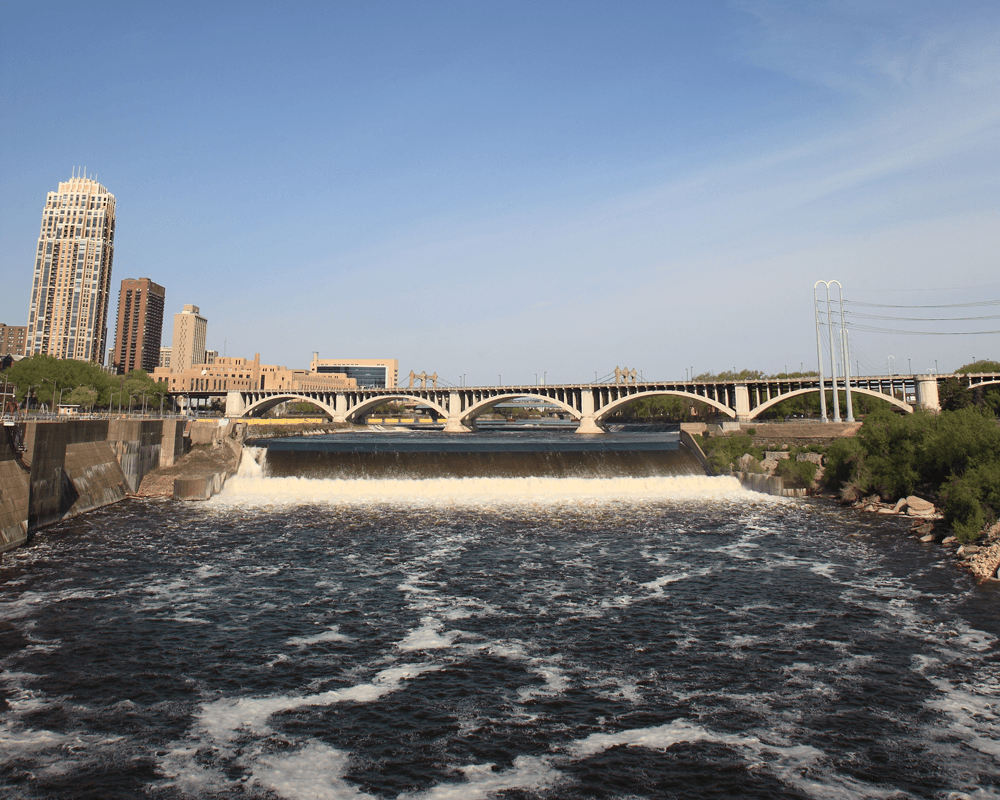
(517, 637)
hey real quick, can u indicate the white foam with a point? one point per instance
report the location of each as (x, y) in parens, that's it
(255, 491)
(223, 719)
(314, 772)
(428, 637)
(483, 780)
(657, 738)
(331, 635)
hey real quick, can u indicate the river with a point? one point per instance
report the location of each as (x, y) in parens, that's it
(521, 637)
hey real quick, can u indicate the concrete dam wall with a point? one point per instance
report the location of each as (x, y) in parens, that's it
(71, 467)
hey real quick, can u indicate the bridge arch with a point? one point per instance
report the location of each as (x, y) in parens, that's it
(612, 407)
(374, 402)
(483, 406)
(265, 404)
(815, 390)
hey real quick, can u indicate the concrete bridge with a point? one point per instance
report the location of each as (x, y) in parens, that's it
(592, 404)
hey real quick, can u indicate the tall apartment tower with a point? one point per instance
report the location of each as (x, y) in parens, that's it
(68, 315)
(188, 345)
(140, 325)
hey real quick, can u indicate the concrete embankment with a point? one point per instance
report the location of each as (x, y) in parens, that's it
(214, 457)
(54, 470)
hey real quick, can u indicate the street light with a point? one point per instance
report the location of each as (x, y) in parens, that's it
(544, 378)
(55, 388)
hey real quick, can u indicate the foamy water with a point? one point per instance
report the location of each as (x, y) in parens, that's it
(465, 638)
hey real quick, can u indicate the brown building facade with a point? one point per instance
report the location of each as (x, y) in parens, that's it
(13, 339)
(68, 313)
(140, 325)
(243, 374)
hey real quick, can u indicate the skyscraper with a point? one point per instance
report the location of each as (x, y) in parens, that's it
(68, 315)
(140, 325)
(188, 345)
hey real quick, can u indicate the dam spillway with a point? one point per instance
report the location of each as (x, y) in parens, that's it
(506, 454)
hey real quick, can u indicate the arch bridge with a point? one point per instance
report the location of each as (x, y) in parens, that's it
(592, 404)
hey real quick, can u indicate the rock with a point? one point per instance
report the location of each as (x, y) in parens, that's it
(917, 504)
(984, 563)
(928, 538)
(885, 511)
(923, 529)
(815, 458)
(920, 512)
(949, 540)
(900, 505)
(969, 549)
(747, 463)
(774, 455)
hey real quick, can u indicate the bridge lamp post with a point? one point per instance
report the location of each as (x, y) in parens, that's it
(536, 379)
(544, 378)
(55, 388)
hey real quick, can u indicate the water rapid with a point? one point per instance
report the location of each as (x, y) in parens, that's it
(478, 637)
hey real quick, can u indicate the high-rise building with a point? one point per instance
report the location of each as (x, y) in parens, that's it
(188, 344)
(140, 325)
(12, 339)
(68, 315)
(165, 357)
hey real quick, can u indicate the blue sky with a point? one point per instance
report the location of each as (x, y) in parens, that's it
(509, 189)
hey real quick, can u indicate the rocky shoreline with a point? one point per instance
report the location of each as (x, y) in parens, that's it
(981, 558)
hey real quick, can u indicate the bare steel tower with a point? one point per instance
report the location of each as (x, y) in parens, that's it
(68, 315)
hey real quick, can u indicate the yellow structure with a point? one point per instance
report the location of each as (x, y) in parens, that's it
(242, 374)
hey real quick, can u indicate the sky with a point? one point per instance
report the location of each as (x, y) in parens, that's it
(525, 192)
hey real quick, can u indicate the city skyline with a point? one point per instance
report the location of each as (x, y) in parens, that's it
(495, 192)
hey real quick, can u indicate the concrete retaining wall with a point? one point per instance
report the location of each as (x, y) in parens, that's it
(15, 491)
(768, 484)
(74, 466)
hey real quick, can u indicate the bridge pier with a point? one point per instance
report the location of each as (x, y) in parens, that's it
(234, 404)
(588, 423)
(927, 392)
(742, 402)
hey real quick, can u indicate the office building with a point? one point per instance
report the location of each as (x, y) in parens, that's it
(12, 339)
(229, 374)
(188, 345)
(370, 373)
(165, 357)
(210, 356)
(140, 326)
(68, 314)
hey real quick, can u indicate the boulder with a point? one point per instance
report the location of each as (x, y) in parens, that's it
(928, 538)
(918, 504)
(924, 529)
(983, 564)
(949, 540)
(900, 505)
(922, 512)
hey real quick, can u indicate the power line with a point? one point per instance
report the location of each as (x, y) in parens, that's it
(950, 305)
(918, 319)
(921, 333)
